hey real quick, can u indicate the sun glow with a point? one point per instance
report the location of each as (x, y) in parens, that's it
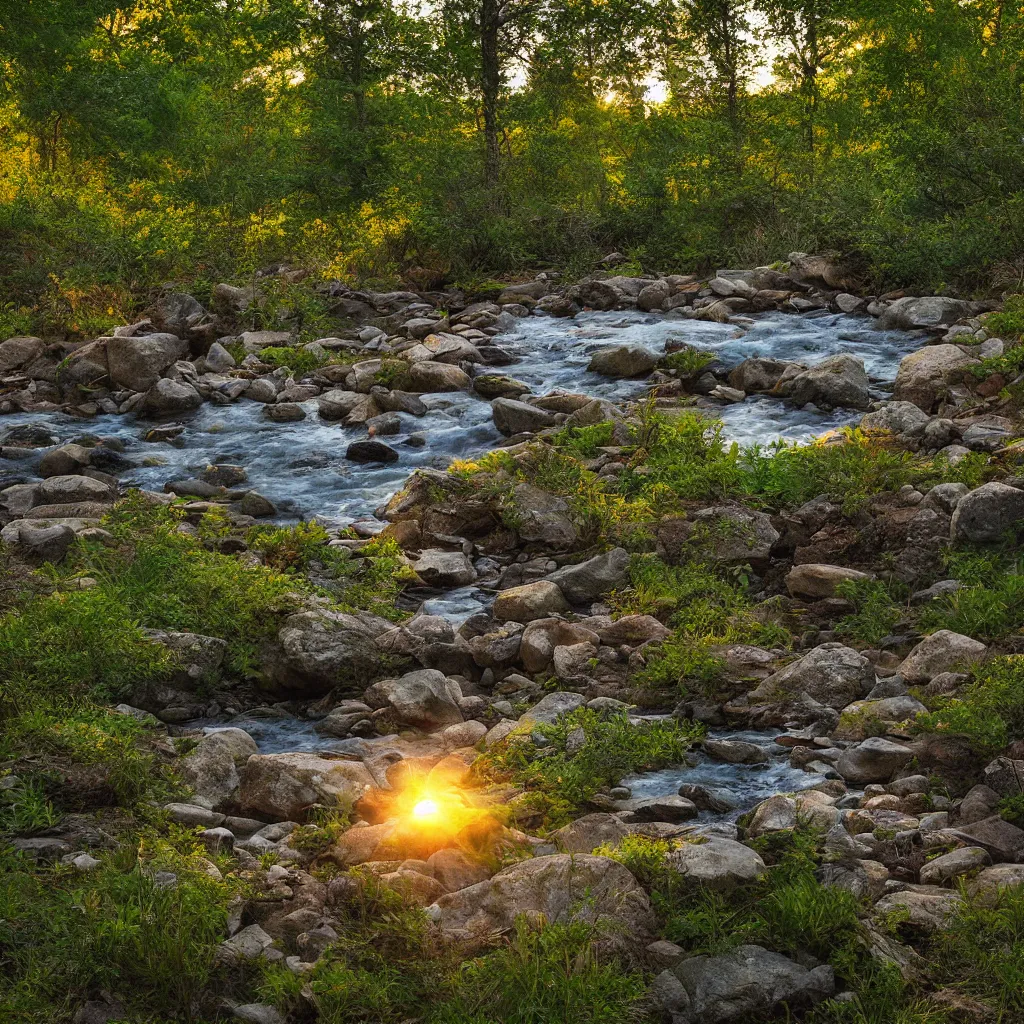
(426, 809)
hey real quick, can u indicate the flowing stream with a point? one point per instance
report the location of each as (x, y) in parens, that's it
(301, 466)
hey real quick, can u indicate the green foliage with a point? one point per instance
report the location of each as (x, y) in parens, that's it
(584, 441)
(876, 610)
(688, 362)
(990, 710)
(549, 976)
(1009, 322)
(990, 603)
(604, 751)
(64, 936)
(76, 640)
(299, 360)
(705, 608)
(1011, 809)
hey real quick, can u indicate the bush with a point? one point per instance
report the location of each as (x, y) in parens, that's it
(876, 612)
(990, 710)
(64, 936)
(611, 748)
(548, 976)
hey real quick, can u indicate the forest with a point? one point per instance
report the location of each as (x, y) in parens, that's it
(511, 512)
(188, 141)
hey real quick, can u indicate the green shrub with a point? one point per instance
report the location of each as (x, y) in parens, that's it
(876, 611)
(584, 441)
(611, 748)
(990, 710)
(688, 361)
(65, 936)
(299, 360)
(552, 975)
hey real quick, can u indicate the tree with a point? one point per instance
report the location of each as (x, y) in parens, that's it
(487, 36)
(813, 34)
(724, 35)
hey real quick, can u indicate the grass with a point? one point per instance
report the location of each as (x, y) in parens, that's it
(688, 361)
(705, 608)
(990, 604)
(72, 641)
(299, 360)
(64, 936)
(878, 608)
(990, 710)
(387, 968)
(561, 782)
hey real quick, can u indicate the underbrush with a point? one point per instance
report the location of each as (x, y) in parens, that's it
(989, 710)
(583, 753)
(990, 602)
(705, 609)
(878, 608)
(387, 968)
(84, 637)
(65, 937)
(675, 461)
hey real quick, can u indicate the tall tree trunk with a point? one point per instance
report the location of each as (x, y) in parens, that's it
(490, 85)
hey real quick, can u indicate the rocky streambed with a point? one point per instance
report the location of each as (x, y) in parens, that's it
(515, 628)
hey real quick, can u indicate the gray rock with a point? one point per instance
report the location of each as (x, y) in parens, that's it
(283, 786)
(815, 581)
(589, 580)
(943, 651)
(169, 398)
(370, 451)
(446, 569)
(138, 363)
(720, 864)
(952, 865)
(735, 751)
(213, 768)
(925, 375)
(558, 889)
(423, 699)
(514, 417)
(748, 983)
(551, 707)
(833, 674)
(931, 312)
(987, 513)
(836, 382)
(623, 361)
(874, 760)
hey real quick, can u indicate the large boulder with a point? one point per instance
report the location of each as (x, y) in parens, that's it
(623, 361)
(724, 534)
(586, 834)
(874, 760)
(282, 786)
(832, 674)
(925, 375)
(814, 581)
(549, 709)
(18, 352)
(986, 514)
(836, 382)
(747, 983)
(314, 652)
(931, 312)
(66, 490)
(170, 398)
(943, 651)
(439, 568)
(531, 601)
(138, 363)
(429, 377)
(424, 699)
(543, 518)
(558, 889)
(897, 418)
(597, 576)
(212, 767)
(757, 375)
(717, 863)
(514, 417)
